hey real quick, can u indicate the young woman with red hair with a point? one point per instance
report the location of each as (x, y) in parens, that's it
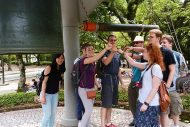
(148, 109)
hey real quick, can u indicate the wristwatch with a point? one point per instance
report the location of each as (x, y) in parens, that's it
(147, 104)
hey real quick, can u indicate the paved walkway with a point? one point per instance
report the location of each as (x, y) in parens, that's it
(32, 117)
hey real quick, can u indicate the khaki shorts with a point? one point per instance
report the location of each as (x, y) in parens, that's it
(176, 106)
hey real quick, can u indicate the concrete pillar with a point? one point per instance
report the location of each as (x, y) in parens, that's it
(70, 19)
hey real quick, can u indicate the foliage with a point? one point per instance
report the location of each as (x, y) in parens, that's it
(186, 101)
(10, 100)
(13, 99)
(45, 57)
(171, 16)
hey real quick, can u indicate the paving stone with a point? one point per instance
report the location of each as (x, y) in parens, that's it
(32, 118)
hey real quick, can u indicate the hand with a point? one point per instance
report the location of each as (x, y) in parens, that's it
(120, 51)
(130, 75)
(108, 46)
(129, 48)
(126, 54)
(43, 99)
(125, 48)
(143, 108)
(114, 49)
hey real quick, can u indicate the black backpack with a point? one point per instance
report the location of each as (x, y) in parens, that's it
(39, 84)
(99, 68)
(75, 74)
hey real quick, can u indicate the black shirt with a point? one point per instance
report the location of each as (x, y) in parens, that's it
(168, 60)
(52, 86)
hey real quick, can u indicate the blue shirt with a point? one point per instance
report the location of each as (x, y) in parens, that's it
(136, 74)
(113, 67)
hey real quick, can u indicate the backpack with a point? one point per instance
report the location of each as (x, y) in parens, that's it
(183, 84)
(177, 55)
(99, 68)
(75, 74)
(39, 83)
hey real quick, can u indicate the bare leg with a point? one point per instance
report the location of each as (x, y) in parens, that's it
(164, 120)
(108, 115)
(176, 120)
(103, 116)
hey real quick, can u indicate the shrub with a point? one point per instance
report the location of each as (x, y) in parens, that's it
(186, 101)
(14, 99)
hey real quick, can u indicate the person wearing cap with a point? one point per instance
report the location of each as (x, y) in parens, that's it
(135, 76)
(135, 47)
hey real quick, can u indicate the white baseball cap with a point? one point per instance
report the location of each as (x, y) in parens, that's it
(139, 38)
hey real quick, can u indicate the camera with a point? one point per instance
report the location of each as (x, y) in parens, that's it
(138, 84)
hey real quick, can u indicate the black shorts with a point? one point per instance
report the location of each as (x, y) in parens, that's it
(109, 93)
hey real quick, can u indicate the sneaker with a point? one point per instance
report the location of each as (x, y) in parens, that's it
(132, 123)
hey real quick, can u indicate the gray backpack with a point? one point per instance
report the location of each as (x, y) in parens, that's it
(183, 84)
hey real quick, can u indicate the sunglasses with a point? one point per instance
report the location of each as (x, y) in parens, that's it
(112, 40)
(137, 42)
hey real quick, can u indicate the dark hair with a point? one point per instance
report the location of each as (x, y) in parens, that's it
(111, 35)
(54, 63)
(85, 45)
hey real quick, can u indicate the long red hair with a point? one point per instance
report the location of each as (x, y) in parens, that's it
(155, 54)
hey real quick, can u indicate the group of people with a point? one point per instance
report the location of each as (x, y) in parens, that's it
(174, 67)
(151, 64)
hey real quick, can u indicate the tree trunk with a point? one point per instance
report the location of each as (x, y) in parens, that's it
(9, 63)
(38, 59)
(26, 58)
(22, 80)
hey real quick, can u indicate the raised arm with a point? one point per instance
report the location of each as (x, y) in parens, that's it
(97, 56)
(134, 63)
(107, 60)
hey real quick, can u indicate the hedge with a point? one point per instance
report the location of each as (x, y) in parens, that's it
(14, 99)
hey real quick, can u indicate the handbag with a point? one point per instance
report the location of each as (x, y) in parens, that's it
(164, 97)
(91, 94)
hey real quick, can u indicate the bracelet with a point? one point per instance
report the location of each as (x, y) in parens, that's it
(147, 104)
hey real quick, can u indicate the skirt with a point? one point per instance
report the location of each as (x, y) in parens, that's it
(149, 118)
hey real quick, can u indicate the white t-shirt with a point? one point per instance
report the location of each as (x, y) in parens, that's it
(147, 84)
